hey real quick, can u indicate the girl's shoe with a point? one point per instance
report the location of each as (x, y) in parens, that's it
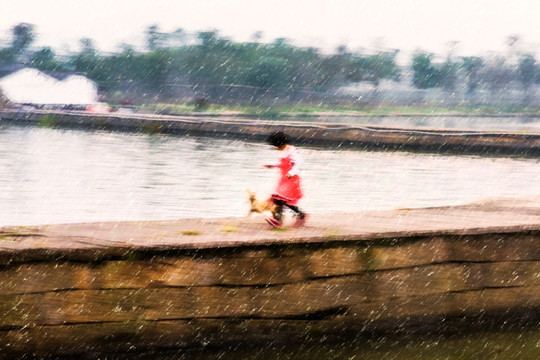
(274, 222)
(301, 220)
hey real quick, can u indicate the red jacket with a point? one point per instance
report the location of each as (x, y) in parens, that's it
(289, 188)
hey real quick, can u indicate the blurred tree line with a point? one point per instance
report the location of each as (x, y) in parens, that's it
(215, 67)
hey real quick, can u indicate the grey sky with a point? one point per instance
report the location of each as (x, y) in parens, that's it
(479, 26)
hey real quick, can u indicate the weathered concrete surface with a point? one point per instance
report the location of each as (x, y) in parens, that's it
(490, 216)
(343, 135)
(119, 286)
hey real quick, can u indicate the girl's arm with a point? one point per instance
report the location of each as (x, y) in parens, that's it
(295, 160)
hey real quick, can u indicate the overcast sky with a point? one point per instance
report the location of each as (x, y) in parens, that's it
(478, 26)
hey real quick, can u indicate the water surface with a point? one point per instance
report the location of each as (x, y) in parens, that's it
(58, 176)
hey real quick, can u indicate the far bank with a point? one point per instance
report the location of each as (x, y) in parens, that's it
(357, 132)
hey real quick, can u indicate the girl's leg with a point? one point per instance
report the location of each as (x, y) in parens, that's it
(297, 210)
(276, 221)
(301, 216)
(279, 209)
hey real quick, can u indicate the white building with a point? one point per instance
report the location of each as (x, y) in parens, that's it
(31, 86)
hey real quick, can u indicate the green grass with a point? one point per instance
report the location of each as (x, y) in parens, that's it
(331, 234)
(152, 128)
(230, 228)
(167, 108)
(191, 232)
(283, 111)
(49, 121)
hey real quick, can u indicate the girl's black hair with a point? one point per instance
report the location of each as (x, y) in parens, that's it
(278, 139)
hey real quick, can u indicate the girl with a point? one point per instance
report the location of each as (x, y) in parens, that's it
(288, 191)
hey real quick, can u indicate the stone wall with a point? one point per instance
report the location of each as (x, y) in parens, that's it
(281, 292)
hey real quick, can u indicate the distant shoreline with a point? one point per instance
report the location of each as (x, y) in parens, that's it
(343, 135)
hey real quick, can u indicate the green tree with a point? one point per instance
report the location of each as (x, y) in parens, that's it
(267, 73)
(448, 75)
(45, 59)
(497, 75)
(425, 75)
(208, 38)
(7, 55)
(88, 62)
(373, 68)
(151, 68)
(281, 42)
(23, 35)
(537, 77)
(177, 38)
(472, 67)
(153, 38)
(527, 74)
(88, 47)
(527, 70)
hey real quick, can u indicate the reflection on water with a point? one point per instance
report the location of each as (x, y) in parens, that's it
(56, 176)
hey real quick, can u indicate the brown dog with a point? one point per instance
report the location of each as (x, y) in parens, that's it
(260, 206)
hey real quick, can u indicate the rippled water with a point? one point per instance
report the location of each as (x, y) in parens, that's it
(57, 176)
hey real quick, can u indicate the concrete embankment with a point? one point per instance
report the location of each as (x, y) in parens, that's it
(128, 286)
(328, 134)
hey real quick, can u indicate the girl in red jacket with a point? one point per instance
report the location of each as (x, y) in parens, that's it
(288, 191)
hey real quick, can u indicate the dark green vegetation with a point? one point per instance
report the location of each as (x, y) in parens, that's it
(206, 69)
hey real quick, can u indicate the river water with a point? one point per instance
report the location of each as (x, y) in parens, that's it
(60, 176)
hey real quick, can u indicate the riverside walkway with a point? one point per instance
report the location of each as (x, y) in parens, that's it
(118, 286)
(491, 216)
